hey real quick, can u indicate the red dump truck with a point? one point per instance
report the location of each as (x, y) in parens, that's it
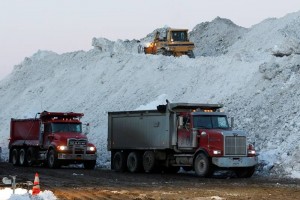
(53, 138)
(192, 136)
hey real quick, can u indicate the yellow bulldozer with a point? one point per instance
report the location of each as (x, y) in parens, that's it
(174, 43)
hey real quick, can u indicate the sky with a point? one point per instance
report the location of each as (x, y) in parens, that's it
(27, 26)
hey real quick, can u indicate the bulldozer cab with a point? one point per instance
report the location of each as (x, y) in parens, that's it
(178, 35)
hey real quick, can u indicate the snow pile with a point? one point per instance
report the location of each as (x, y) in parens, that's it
(119, 46)
(242, 71)
(213, 38)
(271, 112)
(270, 36)
(22, 194)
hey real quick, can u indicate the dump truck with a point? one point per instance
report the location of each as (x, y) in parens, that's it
(189, 135)
(175, 42)
(51, 138)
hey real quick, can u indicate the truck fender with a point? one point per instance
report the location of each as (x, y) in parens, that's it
(51, 146)
(200, 150)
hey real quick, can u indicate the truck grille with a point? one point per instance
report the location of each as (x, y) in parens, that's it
(77, 146)
(235, 145)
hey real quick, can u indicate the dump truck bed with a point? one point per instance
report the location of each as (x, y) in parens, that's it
(24, 131)
(149, 129)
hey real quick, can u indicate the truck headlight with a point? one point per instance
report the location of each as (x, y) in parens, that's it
(251, 152)
(91, 149)
(217, 152)
(62, 148)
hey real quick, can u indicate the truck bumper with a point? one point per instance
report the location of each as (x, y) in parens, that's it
(235, 161)
(63, 156)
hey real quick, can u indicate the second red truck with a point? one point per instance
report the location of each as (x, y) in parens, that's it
(193, 136)
(53, 138)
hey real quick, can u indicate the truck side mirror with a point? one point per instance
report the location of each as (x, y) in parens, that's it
(180, 122)
(231, 122)
(87, 129)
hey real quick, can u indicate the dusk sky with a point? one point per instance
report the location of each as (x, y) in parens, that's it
(69, 25)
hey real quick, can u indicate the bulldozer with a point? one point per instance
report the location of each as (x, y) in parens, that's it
(175, 42)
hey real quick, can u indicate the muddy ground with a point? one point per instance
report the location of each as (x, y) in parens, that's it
(77, 183)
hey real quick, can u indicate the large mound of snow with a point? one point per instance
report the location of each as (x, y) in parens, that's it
(259, 89)
(215, 37)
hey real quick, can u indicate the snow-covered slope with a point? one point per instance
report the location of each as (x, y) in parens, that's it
(215, 37)
(257, 88)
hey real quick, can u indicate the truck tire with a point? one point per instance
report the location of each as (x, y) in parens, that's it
(148, 161)
(203, 166)
(245, 172)
(52, 160)
(22, 157)
(134, 162)
(90, 164)
(30, 156)
(119, 162)
(15, 157)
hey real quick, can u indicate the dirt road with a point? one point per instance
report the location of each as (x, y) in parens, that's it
(77, 183)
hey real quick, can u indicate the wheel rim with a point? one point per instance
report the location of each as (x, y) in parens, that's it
(148, 161)
(131, 163)
(22, 157)
(51, 159)
(14, 157)
(29, 158)
(117, 162)
(201, 165)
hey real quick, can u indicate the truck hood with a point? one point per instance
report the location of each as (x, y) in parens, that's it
(63, 137)
(224, 132)
(233, 133)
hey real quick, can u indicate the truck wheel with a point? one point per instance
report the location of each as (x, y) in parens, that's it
(15, 157)
(30, 156)
(119, 162)
(52, 160)
(148, 161)
(90, 164)
(202, 166)
(22, 157)
(245, 172)
(134, 162)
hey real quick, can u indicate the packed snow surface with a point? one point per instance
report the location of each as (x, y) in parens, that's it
(254, 72)
(22, 194)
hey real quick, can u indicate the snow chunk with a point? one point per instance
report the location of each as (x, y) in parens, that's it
(161, 99)
(287, 47)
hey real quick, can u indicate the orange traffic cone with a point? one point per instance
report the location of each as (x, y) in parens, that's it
(36, 185)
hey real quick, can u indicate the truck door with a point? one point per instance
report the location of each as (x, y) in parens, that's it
(184, 133)
(47, 136)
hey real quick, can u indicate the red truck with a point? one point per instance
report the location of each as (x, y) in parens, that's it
(188, 135)
(53, 138)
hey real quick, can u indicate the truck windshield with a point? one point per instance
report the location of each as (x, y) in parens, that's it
(66, 127)
(179, 36)
(210, 121)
